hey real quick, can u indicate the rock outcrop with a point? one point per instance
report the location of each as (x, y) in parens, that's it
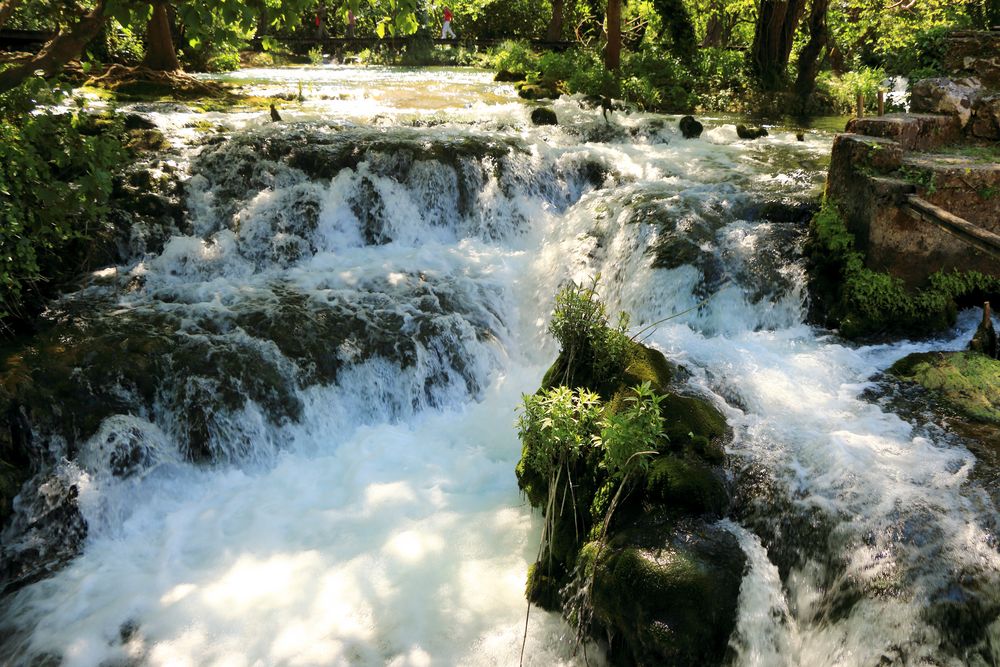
(654, 571)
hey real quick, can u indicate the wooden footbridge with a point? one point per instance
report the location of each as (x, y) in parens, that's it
(32, 40)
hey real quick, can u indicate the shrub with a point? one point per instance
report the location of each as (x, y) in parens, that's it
(227, 60)
(631, 435)
(55, 186)
(514, 56)
(582, 326)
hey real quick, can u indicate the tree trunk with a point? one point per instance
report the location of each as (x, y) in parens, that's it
(62, 48)
(160, 53)
(554, 31)
(613, 51)
(7, 8)
(809, 60)
(773, 37)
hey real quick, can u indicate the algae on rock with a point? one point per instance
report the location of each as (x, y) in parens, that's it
(967, 382)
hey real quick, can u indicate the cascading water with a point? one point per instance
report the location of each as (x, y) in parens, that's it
(284, 433)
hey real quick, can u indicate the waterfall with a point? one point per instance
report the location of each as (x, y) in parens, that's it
(283, 432)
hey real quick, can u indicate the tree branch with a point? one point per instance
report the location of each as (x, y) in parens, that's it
(62, 48)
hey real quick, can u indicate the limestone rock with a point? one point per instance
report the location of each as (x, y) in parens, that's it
(947, 96)
(544, 116)
(690, 128)
(986, 117)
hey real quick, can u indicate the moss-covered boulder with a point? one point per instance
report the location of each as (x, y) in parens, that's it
(967, 382)
(667, 590)
(640, 548)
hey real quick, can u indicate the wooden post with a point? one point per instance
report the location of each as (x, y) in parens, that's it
(986, 314)
(881, 103)
(861, 105)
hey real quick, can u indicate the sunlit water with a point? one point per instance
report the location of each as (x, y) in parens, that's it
(384, 525)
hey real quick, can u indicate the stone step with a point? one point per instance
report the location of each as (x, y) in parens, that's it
(912, 131)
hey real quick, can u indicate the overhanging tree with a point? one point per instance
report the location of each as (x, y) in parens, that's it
(774, 33)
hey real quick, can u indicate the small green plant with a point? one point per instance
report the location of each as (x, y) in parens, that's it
(556, 427)
(583, 328)
(316, 55)
(630, 435)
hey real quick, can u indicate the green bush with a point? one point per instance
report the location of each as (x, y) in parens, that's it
(863, 302)
(631, 435)
(514, 56)
(583, 328)
(843, 91)
(227, 60)
(55, 186)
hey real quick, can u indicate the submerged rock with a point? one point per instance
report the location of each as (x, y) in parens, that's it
(690, 128)
(544, 116)
(751, 133)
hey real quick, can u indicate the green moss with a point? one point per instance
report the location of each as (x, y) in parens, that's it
(667, 590)
(863, 302)
(966, 381)
(686, 483)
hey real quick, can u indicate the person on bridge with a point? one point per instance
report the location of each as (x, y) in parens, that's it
(350, 24)
(446, 28)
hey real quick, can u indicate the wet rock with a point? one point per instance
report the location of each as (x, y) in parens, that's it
(544, 116)
(661, 582)
(986, 118)
(945, 96)
(506, 76)
(666, 591)
(690, 128)
(134, 121)
(539, 90)
(968, 382)
(785, 211)
(750, 133)
(46, 532)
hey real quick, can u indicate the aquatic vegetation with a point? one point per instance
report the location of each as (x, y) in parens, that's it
(863, 302)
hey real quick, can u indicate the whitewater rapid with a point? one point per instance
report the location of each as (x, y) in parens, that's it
(382, 524)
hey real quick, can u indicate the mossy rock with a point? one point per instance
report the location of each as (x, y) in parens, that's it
(967, 382)
(644, 365)
(539, 90)
(666, 591)
(688, 484)
(696, 425)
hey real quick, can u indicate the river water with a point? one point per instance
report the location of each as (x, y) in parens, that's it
(377, 272)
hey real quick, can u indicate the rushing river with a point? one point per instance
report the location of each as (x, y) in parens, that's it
(352, 310)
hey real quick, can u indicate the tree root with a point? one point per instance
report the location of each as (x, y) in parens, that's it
(121, 78)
